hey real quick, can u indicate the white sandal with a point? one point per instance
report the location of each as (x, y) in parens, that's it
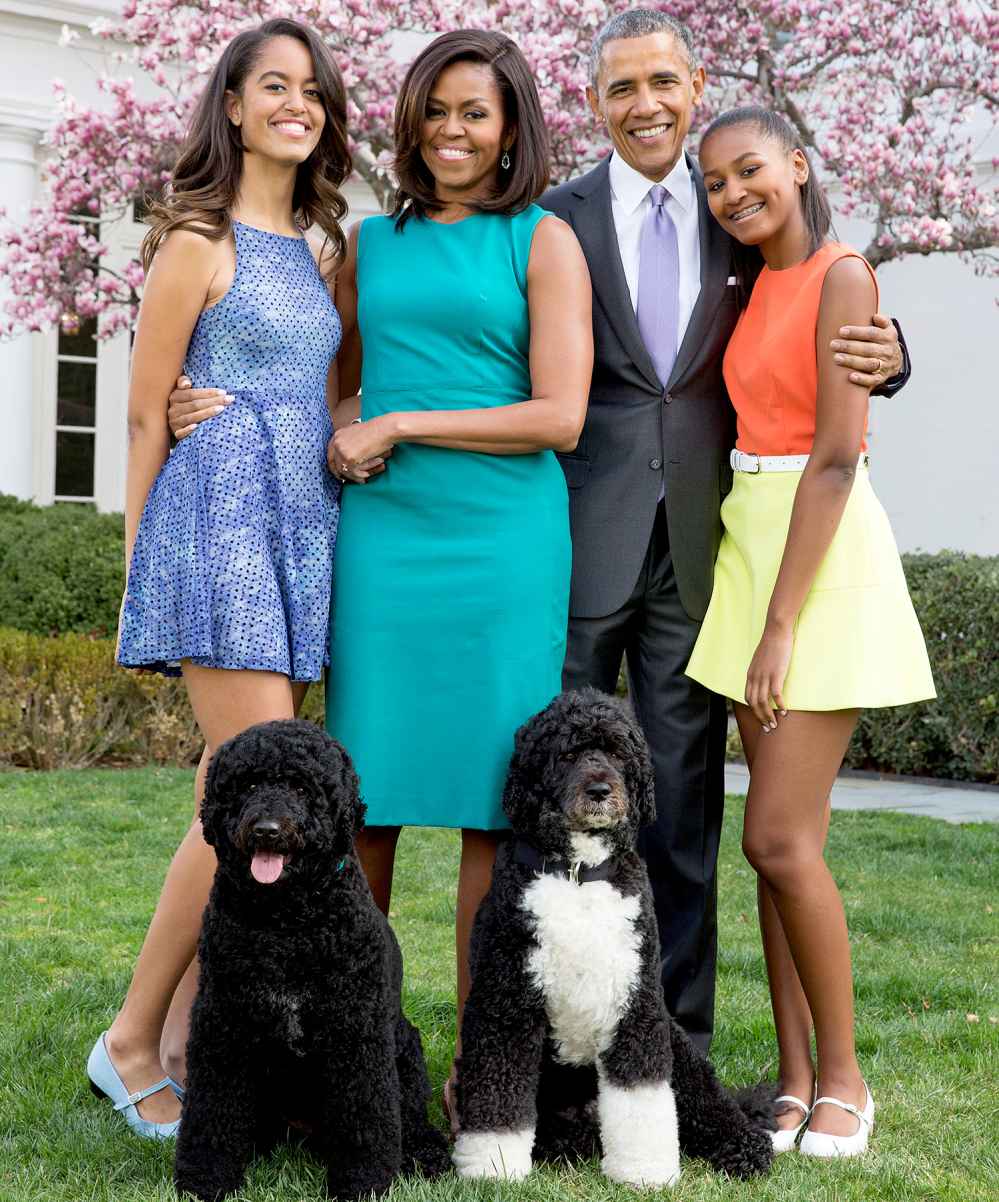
(821, 1143)
(784, 1138)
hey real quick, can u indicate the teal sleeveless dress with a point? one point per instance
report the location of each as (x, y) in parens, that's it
(451, 574)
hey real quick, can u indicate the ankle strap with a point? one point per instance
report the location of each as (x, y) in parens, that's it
(143, 1093)
(789, 1097)
(847, 1106)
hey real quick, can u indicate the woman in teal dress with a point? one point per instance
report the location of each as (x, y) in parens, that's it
(450, 598)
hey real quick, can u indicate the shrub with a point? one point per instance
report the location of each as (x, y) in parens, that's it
(64, 703)
(61, 568)
(957, 599)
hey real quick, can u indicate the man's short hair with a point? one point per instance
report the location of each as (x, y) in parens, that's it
(639, 23)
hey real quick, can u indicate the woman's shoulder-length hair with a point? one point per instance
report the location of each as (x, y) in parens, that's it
(529, 173)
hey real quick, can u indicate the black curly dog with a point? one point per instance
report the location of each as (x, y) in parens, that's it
(297, 1017)
(567, 1046)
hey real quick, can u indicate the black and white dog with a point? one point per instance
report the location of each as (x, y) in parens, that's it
(297, 1017)
(566, 1042)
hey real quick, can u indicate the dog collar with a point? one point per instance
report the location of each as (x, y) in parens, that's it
(527, 854)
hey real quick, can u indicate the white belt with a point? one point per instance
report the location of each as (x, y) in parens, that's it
(744, 461)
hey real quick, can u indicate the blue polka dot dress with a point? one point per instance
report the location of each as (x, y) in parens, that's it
(233, 558)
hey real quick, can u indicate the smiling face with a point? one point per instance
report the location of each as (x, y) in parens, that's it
(280, 109)
(754, 186)
(646, 94)
(463, 135)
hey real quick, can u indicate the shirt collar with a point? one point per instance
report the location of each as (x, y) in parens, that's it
(630, 187)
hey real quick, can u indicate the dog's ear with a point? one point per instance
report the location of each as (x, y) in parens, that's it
(640, 774)
(519, 803)
(222, 770)
(343, 794)
(527, 776)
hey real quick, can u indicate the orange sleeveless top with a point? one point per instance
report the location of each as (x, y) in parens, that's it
(770, 365)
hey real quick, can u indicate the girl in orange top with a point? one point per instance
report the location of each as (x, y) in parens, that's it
(810, 619)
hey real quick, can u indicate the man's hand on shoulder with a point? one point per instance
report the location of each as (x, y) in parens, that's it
(871, 354)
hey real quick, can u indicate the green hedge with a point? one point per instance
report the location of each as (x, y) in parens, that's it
(62, 701)
(957, 736)
(61, 568)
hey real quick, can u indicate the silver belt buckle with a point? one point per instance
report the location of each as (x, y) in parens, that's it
(744, 458)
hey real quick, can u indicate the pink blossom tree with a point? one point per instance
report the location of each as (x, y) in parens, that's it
(893, 101)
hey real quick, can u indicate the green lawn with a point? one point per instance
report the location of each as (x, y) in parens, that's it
(81, 860)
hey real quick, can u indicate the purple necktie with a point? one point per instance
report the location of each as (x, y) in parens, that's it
(659, 284)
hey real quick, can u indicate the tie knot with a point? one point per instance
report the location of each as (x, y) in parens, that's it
(657, 194)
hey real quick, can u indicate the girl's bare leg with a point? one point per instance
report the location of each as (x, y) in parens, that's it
(224, 703)
(792, 1017)
(791, 775)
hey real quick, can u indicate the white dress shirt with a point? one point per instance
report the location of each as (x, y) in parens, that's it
(629, 204)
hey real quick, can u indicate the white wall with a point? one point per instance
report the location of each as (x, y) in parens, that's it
(935, 446)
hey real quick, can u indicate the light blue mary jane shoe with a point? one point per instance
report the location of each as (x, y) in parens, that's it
(106, 1083)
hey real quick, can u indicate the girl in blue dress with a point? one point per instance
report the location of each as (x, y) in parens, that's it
(229, 539)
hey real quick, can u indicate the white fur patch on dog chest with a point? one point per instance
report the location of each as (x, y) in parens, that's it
(586, 962)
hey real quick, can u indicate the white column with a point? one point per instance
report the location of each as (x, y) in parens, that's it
(18, 174)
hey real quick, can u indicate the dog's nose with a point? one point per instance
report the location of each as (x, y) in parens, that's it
(598, 790)
(266, 828)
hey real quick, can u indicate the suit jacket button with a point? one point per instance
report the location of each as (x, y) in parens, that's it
(668, 399)
(655, 464)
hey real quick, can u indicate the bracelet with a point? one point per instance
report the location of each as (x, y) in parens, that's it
(355, 421)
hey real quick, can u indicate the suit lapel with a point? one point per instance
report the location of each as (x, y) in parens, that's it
(594, 226)
(716, 261)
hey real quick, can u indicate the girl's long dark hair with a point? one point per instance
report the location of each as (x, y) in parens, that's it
(814, 202)
(205, 181)
(529, 173)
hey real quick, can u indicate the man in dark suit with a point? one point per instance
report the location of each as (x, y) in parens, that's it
(647, 478)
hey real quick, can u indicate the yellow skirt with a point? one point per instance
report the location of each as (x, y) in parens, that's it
(857, 642)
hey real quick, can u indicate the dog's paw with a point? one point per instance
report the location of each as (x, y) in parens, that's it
(351, 1186)
(654, 1172)
(494, 1153)
(204, 1190)
(638, 1131)
(433, 1156)
(751, 1154)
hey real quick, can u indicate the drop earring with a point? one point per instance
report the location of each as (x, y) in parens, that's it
(505, 161)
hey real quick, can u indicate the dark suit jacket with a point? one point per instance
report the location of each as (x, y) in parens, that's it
(637, 433)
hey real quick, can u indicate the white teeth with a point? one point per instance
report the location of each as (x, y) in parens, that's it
(293, 126)
(447, 152)
(743, 213)
(650, 133)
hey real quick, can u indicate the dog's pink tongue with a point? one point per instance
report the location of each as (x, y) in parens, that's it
(266, 866)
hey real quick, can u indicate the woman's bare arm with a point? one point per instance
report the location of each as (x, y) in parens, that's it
(345, 371)
(849, 297)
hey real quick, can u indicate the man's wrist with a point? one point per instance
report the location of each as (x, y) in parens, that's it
(898, 381)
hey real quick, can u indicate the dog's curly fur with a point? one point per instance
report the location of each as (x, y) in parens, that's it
(297, 1017)
(580, 783)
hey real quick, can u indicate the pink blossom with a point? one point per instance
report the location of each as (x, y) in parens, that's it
(881, 92)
